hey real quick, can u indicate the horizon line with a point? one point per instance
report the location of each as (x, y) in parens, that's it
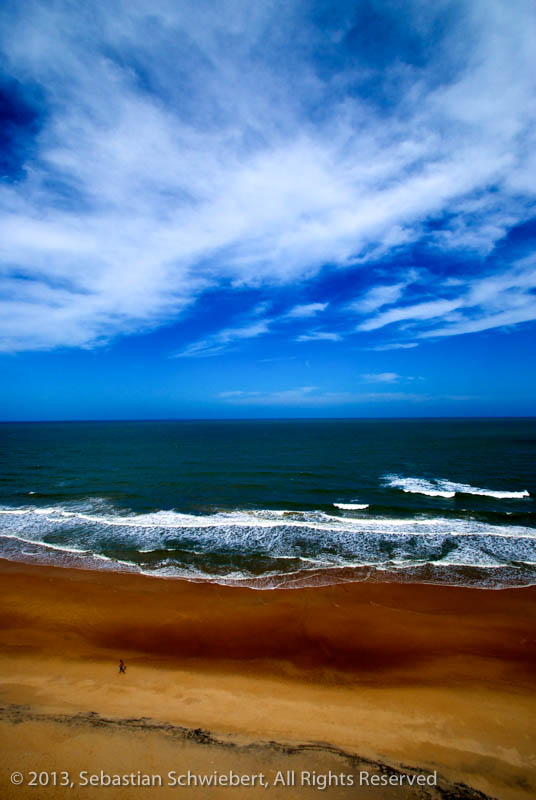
(265, 419)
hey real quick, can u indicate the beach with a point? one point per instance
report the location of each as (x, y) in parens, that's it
(267, 419)
(405, 678)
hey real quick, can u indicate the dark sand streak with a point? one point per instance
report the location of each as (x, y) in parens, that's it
(444, 790)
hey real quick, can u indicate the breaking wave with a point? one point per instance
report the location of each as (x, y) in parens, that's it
(351, 506)
(268, 545)
(439, 487)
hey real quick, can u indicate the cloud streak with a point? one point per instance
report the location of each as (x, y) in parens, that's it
(222, 340)
(499, 300)
(381, 377)
(319, 336)
(307, 310)
(379, 296)
(312, 397)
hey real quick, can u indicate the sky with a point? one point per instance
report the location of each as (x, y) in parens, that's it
(277, 209)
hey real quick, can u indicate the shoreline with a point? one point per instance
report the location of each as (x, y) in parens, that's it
(429, 573)
(400, 674)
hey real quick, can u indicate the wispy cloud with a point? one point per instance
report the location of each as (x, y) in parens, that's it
(513, 316)
(319, 336)
(394, 346)
(498, 300)
(221, 340)
(428, 310)
(381, 377)
(307, 310)
(311, 396)
(185, 148)
(377, 297)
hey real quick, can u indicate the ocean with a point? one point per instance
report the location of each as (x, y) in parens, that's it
(268, 503)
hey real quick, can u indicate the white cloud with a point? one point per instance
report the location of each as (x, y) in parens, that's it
(381, 377)
(318, 336)
(419, 311)
(311, 396)
(394, 346)
(526, 313)
(307, 310)
(219, 341)
(493, 301)
(234, 393)
(136, 201)
(377, 297)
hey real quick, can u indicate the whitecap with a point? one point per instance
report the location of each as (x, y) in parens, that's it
(48, 545)
(463, 488)
(439, 487)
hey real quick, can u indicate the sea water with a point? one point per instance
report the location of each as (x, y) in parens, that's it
(277, 502)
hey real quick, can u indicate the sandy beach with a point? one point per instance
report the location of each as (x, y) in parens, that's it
(384, 679)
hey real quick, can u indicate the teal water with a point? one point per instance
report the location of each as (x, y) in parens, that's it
(279, 502)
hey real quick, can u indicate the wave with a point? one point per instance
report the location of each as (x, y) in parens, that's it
(241, 523)
(252, 545)
(352, 506)
(62, 517)
(48, 545)
(317, 574)
(439, 487)
(417, 486)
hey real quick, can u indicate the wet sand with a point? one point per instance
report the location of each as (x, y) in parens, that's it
(407, 679)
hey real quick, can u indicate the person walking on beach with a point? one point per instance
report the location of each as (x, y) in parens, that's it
(122, 667)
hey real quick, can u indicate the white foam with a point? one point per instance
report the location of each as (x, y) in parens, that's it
(439, 487)
(171, 520)
(101, 557)
(48, 545)
(463, 488)
(232, 525)
(318, 540)
(417, 486)
(351, 506)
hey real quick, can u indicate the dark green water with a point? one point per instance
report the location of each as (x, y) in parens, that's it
(271, 501)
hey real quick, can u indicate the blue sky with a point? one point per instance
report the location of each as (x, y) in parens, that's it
(236, 209)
